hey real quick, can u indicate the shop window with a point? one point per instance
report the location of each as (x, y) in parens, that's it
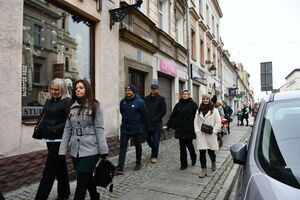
(53, 38)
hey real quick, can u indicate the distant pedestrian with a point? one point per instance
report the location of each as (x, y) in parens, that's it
(53, 119)
(239, 117)
(133, 111)
(250, 109)
(207, 125)
(227, 114)
(156, 107)
(219, 106)
(85, 133)
(245, 115)
(182, 120)
(255, 110)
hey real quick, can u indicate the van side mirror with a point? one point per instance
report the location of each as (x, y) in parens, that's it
(239, 153)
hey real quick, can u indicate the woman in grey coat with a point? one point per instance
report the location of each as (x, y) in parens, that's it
(84, 131)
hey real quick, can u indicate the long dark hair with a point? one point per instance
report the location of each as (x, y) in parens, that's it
(87, 98)
(206, 107)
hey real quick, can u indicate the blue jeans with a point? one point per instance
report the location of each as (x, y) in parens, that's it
(153, 138)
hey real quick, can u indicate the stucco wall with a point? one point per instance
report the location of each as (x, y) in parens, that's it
(10, 76)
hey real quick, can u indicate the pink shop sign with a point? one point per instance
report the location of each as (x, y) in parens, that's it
(167, 68)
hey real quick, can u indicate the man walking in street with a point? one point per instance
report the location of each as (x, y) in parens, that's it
(156, 107)
(228, 112)
(133, 111)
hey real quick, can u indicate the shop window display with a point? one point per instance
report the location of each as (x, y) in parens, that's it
(56, 44)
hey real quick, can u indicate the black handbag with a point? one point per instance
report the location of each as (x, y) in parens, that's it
(207, 128)
(104, 174)
(37, 134)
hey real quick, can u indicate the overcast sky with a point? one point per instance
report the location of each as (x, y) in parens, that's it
(256, 31)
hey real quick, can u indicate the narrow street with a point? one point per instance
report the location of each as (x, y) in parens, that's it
(164, 180)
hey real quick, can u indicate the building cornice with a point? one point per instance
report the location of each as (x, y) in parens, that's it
(194, 14)
(215, 42)
(218, 8)
(290, 74)
(208, 33)
(202, 25)
(137, 41)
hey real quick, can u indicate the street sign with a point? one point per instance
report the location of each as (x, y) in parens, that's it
(266, 79)
(231, 92)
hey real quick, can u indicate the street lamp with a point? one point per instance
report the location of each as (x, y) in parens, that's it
(213, 70)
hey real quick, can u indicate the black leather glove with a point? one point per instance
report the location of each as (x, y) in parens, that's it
(103, 156)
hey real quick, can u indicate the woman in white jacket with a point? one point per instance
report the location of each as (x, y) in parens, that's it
(207, 140)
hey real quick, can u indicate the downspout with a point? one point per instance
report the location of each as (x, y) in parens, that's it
(188, 47)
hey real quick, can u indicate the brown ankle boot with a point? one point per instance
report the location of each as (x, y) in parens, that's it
(203, 173)
(213, 166)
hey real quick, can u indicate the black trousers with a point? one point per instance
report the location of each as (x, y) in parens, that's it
(123, 149)
(55, 168)
(211, 154)
(84, 167)
(186, 143)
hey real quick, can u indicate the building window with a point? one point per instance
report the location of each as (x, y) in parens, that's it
(193, 44)
(213, 24)
(202, 52)
(63, 23)
(43, 27)
(37, 35)
(37, 73)
(201, 7)
(179, 26)
(67, 64)
(208, 57)
(218, 36)
(163, 10)
(207, 16)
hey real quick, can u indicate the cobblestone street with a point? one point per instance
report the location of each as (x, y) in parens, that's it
(164, 180)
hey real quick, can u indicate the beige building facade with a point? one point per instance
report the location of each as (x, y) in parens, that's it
(292, 81)
(153, 49)
(205, 47)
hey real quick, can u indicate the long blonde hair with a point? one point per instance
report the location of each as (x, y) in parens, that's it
(62, 86)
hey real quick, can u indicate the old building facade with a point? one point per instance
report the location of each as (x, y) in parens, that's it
(45, 39)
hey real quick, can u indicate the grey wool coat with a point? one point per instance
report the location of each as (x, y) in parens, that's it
(85, 136)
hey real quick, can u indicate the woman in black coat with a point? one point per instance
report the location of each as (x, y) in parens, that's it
(53, 119)
(182, 120)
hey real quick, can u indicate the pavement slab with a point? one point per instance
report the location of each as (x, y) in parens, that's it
(163, 180)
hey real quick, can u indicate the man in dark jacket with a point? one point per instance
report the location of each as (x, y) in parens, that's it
(156, 107)
(133, 111)
(227, 112)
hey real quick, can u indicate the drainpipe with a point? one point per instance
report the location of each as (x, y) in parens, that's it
(188, 47)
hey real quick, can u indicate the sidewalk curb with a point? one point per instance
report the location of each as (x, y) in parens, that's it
(232, 177)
